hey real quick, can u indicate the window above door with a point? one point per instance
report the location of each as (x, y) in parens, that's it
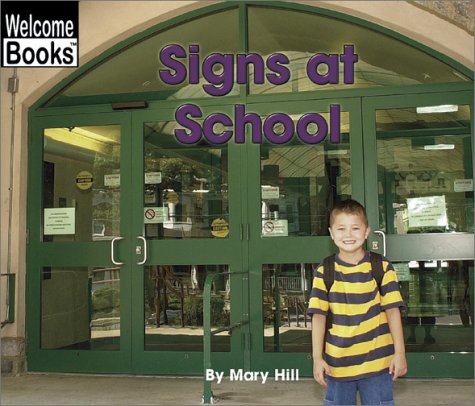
(385, 59)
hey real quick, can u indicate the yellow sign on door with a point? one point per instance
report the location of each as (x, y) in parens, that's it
(220, 228)
(84, 180)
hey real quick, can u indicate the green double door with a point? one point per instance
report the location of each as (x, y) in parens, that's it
(125, 223)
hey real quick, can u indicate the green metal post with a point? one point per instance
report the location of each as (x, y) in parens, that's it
(207, 393)
(277, 310)
(208, 398)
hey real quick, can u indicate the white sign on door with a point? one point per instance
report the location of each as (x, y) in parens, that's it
(270, 192)
(59, 221)
(153, 178)
(112, 180)
(463, 185)
(427, 211)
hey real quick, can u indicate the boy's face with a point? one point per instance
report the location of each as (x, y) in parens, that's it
(349, 232)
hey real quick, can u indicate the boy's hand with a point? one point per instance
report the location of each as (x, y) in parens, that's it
(398, 366)
(320, 369)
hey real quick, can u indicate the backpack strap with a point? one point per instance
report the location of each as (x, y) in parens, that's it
(377, 268)
(328, 279)
(329, 271)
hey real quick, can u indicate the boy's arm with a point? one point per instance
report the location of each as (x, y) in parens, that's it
(398, 365)
(320, 367)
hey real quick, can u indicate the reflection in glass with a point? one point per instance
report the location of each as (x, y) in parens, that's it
(80, 308)
(438, 295)
(81, 172)
(300, 183)
(173, 308)
(213, 33)
(186, 188)
(383, 61)
(425, 175)
(439, 300)
(285, 290)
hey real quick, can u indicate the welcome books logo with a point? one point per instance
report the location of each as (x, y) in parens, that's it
(40, 34)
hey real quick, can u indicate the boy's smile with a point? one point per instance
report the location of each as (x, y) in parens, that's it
(349, 232)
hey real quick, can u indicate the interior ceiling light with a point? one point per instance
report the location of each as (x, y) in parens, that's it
(438, 147)
(336, 152)
(76, 139)
(443, 108)
(94, 135)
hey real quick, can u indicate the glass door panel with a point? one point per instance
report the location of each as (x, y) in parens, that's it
(300, 183)
(81, 183)
(285, 288)
(421, 169)
(174, 307)
(81, 203)
(439, 305)
(422, 153)
(80, 308)
(77, 266)
(292, 187)
(187, 217)
(185, 187)
(425, 170)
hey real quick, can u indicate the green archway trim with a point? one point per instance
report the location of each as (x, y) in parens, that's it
(136, 38)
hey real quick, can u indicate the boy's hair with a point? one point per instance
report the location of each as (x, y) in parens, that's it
(348, 206)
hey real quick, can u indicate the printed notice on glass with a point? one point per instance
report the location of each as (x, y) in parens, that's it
(112, 180)
(154, 215)
(60, 221)
(402, 271)
(463, 185)
(153, 178)
(275, 228)
(270, 192)
(427, 211)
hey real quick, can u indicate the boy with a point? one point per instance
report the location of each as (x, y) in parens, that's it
(364, 349)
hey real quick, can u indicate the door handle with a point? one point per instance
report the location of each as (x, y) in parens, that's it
(383, 234)
(144, 250)
(112, 250)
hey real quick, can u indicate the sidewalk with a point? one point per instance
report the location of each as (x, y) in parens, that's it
(68, 389)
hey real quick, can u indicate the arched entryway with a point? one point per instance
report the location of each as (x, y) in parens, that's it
(125, 221)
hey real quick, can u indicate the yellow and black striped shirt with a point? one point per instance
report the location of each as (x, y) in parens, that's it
(359, 343)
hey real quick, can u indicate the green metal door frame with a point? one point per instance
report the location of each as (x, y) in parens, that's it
(417, 246)
(131, 358)
(245, 251)
(459, 246)
(206, 251)
(276, 250)
(70, 254)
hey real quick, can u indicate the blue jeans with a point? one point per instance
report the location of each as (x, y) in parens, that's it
(376, 390)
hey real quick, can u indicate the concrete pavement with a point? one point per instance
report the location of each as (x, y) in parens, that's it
(74, 389)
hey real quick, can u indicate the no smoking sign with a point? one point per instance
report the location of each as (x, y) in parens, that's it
(275, 228)
(154, 215)
(268, 227)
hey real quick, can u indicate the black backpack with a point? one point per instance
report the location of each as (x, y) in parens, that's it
(329, 274)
